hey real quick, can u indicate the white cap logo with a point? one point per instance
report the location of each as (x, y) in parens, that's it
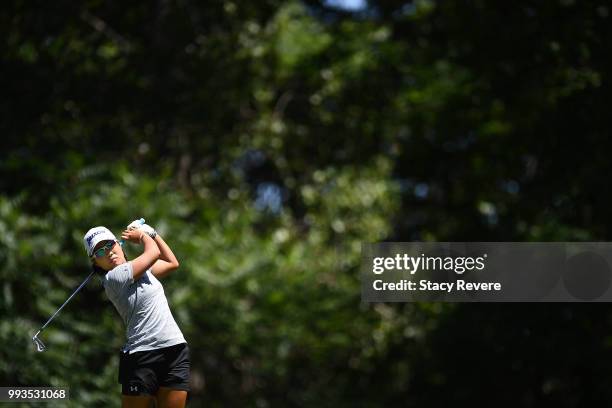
(96, 235)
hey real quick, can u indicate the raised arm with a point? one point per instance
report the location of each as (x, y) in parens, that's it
(150, 253)
(167, 262)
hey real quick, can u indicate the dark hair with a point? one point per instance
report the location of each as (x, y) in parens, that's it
(97, 269)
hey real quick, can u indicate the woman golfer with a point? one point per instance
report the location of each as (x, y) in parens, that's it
(154, 362)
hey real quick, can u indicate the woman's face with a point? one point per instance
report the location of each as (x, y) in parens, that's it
(108, 254)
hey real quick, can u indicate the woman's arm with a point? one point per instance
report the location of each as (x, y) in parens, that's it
(149, 255)
(167, 262)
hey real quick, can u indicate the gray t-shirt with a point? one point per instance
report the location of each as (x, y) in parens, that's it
(144, 309)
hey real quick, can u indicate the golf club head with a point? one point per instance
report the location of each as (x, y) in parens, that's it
(40, 346)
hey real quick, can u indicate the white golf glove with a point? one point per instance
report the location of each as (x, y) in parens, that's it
(146, 228)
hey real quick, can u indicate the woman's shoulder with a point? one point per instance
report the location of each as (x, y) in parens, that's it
(120, 273)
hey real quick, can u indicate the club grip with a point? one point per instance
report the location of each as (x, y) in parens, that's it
(140, 221)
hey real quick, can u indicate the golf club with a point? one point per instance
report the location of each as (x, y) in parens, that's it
(40, 346)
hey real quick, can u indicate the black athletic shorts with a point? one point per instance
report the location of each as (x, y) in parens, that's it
(143, 372)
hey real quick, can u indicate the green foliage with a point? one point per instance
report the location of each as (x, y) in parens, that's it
(266, 141)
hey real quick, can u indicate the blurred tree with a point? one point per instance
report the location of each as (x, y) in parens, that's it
(266, 141)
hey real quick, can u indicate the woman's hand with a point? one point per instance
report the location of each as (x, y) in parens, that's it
(132, 235)
(150, 253)
(138, 224)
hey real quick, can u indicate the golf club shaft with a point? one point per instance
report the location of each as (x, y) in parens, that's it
(68, 300)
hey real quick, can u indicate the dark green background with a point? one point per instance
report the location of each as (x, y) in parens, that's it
(265, 141)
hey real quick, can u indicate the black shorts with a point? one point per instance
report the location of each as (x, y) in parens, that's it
(143, 372)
